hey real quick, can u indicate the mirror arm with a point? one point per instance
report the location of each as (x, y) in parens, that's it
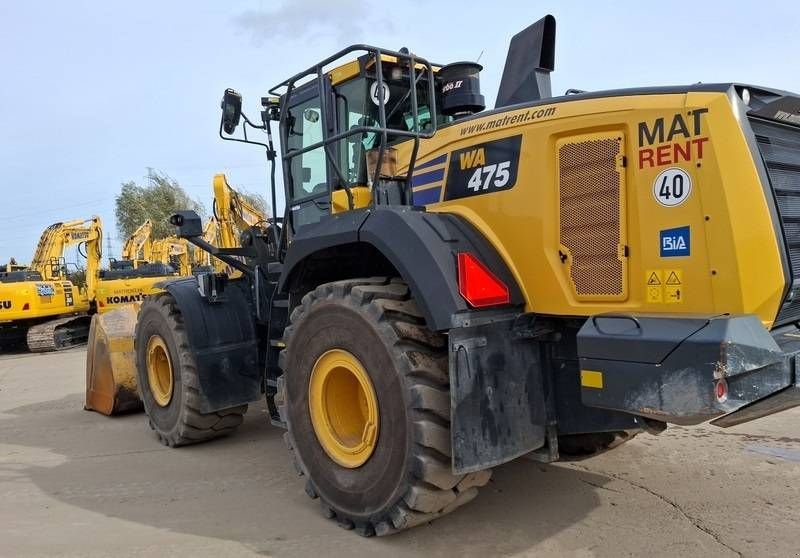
(244, 128)
(256, 126)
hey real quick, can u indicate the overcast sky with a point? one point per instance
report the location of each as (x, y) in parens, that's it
(93, 93)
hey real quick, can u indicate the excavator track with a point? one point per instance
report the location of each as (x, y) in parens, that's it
(59, 334)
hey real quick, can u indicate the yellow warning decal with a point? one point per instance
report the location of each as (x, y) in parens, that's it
(654, 279)
(592, 379)
(673, 287)
(664, 286)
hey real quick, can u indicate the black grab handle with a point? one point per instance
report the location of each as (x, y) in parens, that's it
(615, 317)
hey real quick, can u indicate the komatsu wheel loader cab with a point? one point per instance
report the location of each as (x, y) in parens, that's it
(451, 288)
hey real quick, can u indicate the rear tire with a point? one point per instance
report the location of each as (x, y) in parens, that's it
(407, 479)
(575, 447)
(176, 419)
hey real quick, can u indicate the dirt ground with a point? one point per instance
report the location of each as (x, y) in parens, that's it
(75, 483)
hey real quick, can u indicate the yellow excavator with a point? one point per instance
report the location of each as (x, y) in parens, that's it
(145, 264)
(137, 249)
(172, 251)
(235, 216)
(111, 385)
(44, 304)
(202, 261)
(10, 266)
(234, 213)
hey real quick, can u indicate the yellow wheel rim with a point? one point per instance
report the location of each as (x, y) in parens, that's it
(159, 370)
(343, 408)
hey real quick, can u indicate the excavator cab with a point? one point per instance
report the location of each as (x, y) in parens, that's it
(58, 268)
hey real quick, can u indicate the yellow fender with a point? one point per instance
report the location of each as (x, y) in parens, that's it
(111, 385)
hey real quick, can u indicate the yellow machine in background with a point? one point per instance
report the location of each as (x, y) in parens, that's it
(234, 215)
(145, 264)
(234, 212)
(43, 304)
(137, 249)
(12, 265)
(111, 386)
(172, 251)
(203, 261)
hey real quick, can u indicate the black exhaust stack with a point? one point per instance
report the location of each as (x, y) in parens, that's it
(530, 60)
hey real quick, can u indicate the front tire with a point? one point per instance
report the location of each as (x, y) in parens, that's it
(406, 478)
(168, 382)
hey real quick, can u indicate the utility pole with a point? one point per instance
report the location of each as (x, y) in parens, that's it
(109, 253)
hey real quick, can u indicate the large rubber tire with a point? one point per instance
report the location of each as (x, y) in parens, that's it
(408, 479)
(179, 423)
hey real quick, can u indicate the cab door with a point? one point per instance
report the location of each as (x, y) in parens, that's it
(307, 185)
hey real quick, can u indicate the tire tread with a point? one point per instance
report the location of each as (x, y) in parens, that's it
(193, 426)
(433, 490)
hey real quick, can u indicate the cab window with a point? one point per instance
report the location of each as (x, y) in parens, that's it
(308, 170)
(357, 105)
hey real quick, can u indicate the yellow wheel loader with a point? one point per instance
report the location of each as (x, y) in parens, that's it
(453, 287)
(111, 385)
(40, 305)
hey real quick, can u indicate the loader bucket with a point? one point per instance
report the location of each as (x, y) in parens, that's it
(111, 386)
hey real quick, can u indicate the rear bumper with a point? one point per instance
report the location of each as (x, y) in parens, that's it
(687, 370)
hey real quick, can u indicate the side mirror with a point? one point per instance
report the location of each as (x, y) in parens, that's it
(231, 110)
(188, 224)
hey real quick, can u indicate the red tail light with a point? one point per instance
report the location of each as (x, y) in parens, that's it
(26, 306)
(479, 286)
(721, 391)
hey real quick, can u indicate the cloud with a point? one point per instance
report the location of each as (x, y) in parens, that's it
(346, 21)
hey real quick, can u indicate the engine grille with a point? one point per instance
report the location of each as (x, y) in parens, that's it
(590, 211)
(779, 145)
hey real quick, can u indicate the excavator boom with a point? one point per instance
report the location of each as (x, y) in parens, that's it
(138, 247)
(234, 212)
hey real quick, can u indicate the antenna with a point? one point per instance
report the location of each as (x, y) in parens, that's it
(479, 57)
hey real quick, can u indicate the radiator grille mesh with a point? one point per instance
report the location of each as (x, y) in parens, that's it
(779, 145)
(590, 196)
